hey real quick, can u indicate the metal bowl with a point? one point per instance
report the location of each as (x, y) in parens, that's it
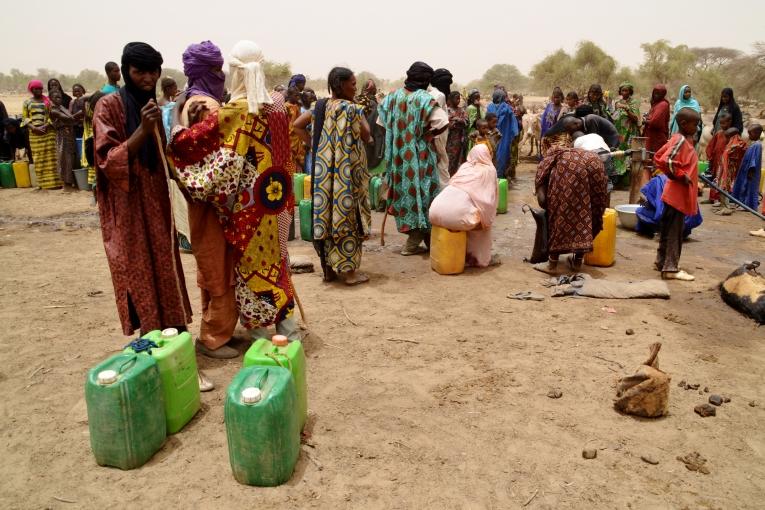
(627, 215)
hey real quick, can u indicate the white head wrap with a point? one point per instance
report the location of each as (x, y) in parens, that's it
(247, 78)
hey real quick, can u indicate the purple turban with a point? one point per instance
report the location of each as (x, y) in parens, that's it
(202, 65)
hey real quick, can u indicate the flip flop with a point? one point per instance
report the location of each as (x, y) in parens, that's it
(680, 275)
(418, 251)
(205, 384)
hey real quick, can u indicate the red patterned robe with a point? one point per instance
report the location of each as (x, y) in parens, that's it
(576, 198)
(241, 163)
(134, 208)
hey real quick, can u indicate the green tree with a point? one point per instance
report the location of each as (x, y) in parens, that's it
(557, 69)
(593, 65)
(664, 63)
(715, 57)
(277, 73)
(502, 74)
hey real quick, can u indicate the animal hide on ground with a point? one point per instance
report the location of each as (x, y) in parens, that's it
(744, 290)
(646, 393)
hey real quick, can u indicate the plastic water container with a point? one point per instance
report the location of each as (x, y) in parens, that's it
(262, 427)
(21, 174)
(126, 413)
(502, 196)
(7, 179)
(307, 189)
(177, 363)
(32, 175)
(306, 221)
(447, 250)
(297, 186)
(703, 166)
(603, 252)
(374, 191)
(280, 352)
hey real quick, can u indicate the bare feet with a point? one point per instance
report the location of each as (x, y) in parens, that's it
(353, 277)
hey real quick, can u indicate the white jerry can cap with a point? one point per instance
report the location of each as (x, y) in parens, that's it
(251, 395)
(106, 377)
(169, 333)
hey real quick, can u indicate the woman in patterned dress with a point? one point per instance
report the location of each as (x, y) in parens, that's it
(626, 118)
(42, 136)
(341, 214)
(571, 186)
(455, 144)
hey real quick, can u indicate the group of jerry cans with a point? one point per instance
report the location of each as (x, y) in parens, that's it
(151, 389)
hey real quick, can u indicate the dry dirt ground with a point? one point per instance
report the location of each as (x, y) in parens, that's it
(426, 391)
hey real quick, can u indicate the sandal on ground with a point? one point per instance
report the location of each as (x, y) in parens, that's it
(417, 251)
(680, 275)
(757, 233)
(222, 352)
(205, 384)
(353, 278)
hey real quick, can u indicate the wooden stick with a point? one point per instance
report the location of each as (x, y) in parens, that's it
(297, 300)
(173, 235)
(382, 229)
(347, 317)
(531, 498)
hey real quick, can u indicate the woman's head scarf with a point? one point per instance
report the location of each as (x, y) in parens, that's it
(686, 103)
(627, 85)
(418, 76)
(202, 65)
(296, 78)
(478, 178)
(499, 96)
(247, 77)
(144, 58)
(659, 93)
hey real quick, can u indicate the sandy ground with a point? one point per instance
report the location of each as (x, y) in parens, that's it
(425, 391)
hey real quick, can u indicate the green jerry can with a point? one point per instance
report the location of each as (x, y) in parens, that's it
(262, 427)
(7, 179)
(126, 412)
(306, 222)
(374, 192)
(177, 362)
(280, 352)
(501, 196)
(297, 186)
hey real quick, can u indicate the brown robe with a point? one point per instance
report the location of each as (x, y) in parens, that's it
(134, 208)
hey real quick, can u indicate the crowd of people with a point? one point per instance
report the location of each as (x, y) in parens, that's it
(217, 166)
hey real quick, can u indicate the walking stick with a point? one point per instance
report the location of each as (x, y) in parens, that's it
(297, 299)
(173, 240)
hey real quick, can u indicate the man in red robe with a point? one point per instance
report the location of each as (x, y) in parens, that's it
(133, 201)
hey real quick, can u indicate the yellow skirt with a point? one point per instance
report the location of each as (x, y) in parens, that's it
(46, 162)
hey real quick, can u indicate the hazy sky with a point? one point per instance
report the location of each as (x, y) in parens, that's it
(382, 37)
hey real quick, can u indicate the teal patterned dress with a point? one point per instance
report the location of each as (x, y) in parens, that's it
(411, 159)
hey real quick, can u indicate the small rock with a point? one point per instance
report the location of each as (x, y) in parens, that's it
(706, 389)
(705, 410)
(589, 453)
(701, 392)
(726, 399)
(694, 462)
(649, 459)
(681, 384)
(692, 386)
(555, 393)
(630, 331)
(715, 400)
(752, 403)
(479, 398)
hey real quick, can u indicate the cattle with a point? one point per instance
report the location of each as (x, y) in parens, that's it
(532, 131)
(744, 290)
